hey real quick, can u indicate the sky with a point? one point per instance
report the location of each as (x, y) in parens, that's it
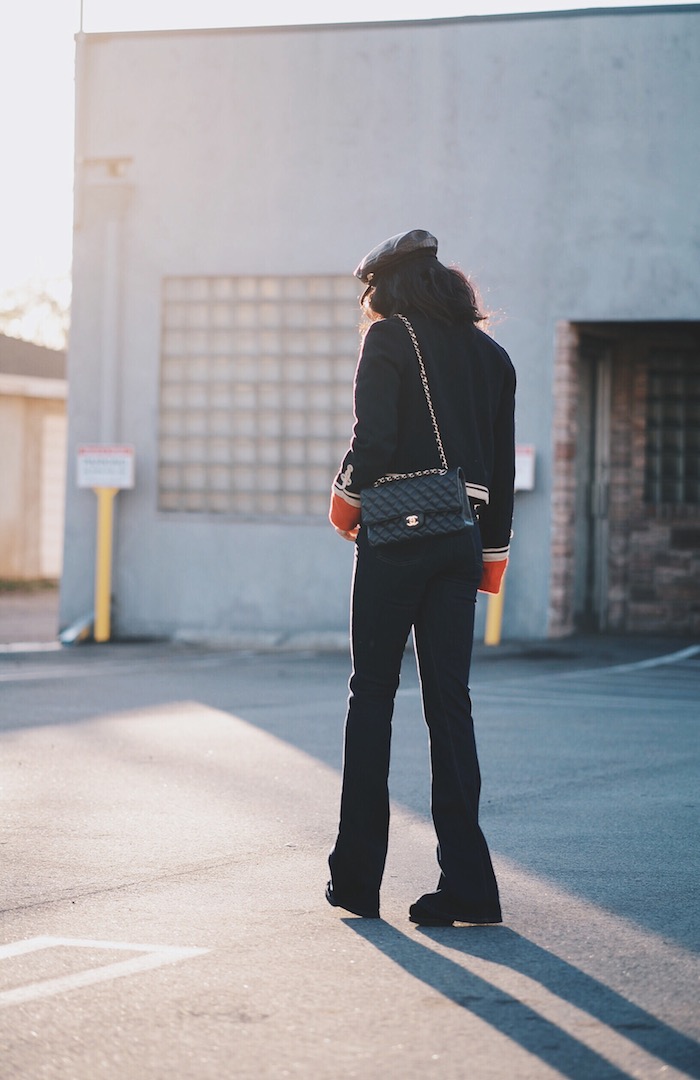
(36, 89)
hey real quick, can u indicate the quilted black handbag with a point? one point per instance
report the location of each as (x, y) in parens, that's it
(408, 506)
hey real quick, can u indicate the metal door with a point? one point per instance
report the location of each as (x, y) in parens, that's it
(592, 526)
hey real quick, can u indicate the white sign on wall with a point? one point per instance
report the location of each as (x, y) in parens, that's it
(524, 468)
(105, 466)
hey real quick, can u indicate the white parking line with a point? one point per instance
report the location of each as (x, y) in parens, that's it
(514, 685)
(654, 661)
(153, 956)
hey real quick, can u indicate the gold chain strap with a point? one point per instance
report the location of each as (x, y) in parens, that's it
(407, 476)
(436, 429)
(426, 388)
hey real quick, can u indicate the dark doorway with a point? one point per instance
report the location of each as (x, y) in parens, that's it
(635, 504)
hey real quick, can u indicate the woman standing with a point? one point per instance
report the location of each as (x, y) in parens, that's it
(428, 584)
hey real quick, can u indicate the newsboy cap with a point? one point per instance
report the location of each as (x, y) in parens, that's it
(404, 245)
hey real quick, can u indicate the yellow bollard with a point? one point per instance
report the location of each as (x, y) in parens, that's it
(103, 562)
(494, 617)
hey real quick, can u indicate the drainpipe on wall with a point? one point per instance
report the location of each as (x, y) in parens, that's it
(101, 197)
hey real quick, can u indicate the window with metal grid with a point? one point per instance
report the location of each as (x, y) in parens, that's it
(673, 429)
(255, 393)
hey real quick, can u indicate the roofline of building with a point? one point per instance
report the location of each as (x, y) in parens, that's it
(27, 359)
(516, 16)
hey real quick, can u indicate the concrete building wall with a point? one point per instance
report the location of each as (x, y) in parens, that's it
(554, 157)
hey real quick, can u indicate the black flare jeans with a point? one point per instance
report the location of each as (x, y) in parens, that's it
(429, 585)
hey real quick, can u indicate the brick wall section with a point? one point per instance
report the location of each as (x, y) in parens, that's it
(564, 434)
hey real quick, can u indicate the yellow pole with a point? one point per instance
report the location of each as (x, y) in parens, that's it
(103, 561)
(494, 617)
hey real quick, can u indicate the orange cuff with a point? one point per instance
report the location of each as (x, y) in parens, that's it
(492, 576)
(343, 515)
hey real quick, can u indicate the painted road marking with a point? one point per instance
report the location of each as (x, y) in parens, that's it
(153, 956)
(655, 661)
(515, 685)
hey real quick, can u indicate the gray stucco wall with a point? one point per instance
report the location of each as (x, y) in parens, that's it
(556, 158)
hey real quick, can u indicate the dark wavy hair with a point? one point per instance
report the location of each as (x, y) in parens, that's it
(424, 285)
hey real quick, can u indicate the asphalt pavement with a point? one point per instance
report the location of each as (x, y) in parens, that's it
(168, 811)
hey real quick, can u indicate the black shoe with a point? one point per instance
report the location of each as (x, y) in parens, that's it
(433, 909)
(364, 913)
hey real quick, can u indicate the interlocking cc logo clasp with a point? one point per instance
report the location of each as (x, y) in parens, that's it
(412, 521)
